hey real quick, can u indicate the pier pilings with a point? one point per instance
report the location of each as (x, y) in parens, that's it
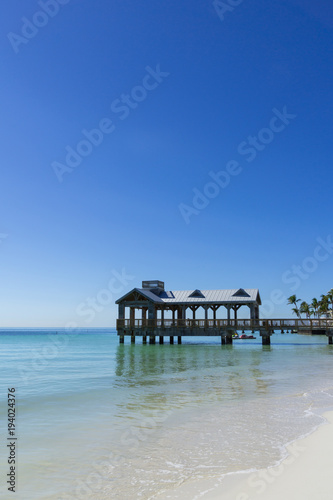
(266, 328)
(266, 337)
(329, 334)
(226, 337)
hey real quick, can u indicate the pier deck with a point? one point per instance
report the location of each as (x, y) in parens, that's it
(220, 327)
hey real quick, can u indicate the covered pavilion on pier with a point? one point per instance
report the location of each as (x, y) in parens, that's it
(155, 304)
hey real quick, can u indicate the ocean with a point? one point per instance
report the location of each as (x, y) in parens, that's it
(98, 420)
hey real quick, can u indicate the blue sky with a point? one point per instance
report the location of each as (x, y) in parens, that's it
(180, 90)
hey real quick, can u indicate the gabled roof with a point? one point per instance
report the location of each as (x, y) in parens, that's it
(236, 296)
(141, 291)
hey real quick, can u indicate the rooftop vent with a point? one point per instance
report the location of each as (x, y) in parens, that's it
(241, 293)
(166, 295)
(197, 293)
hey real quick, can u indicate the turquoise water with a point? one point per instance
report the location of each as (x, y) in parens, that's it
(99, 420)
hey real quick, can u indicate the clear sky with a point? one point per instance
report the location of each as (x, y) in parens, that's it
(189, 142)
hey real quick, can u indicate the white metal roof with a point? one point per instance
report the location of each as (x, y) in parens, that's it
(216, 296)
(235, 295)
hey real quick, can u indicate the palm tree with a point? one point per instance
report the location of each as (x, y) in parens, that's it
(305, 308)
(330, 298)
(315, 305)
(293, 301)
(323, 305)
(295, 310)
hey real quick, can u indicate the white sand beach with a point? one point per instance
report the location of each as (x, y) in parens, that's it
(306, 474)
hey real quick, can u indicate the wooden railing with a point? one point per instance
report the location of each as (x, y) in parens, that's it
(239, 324)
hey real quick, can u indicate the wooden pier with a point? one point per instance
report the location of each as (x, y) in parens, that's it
(157, 330)
(155, 303)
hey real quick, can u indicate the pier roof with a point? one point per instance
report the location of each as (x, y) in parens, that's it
(194, 297)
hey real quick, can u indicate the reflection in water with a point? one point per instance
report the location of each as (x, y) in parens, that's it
(143, 362)
(260, 376)
(178, 377)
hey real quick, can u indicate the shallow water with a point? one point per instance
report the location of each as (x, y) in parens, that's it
(99, 420)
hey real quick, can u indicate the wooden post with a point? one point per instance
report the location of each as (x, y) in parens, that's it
(161, 339)
(151, 321)
(214, 308)
(132, 316)
(151, 311)
(144, 339)
(171, 340)
(179, 339)
(330, 340)
(194, 308)
(121, 316)
(144, 316)
(132, 338)
(121, 311)
(206, 316)
(256, 312)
